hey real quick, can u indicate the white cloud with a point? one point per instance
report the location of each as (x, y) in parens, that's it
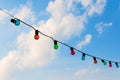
(2, 15)
(101, 26)
(84, 42)
(59, 8)
(30, 53)
(96, 71)
(24, 12)
(96, 7)
(81, 72)
(86, 3)
(69, 69)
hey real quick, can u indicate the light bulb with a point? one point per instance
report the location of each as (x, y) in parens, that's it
(16, 21)
(95, 61)
(110, 64)
(36, 36)
(104, 62)
(55, 45)
(72, 51)
(117, 66)
(83, 57)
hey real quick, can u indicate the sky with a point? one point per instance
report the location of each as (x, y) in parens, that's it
(91, 26)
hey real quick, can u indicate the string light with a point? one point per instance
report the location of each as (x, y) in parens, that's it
(104, 62)
(55, 44)
(117, 66)
(110, 64)
(72, 51)
(83, 56)
(36, 36)
(17, 21)
(94, 59)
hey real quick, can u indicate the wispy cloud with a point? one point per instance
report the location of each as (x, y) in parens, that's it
(96, 71)
(24, 12)
(101, 26)
(84, 42)
(3, 15)
(82, 72)
(97, 7)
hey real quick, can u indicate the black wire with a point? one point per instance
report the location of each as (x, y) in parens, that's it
(6, 12)
(27, 24)
(57, 40)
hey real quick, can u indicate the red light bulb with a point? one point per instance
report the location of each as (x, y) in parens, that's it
(95, 61)
(72, 51)
(36, 36)
(110, 64)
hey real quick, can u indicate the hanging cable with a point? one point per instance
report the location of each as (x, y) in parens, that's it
(17, 21)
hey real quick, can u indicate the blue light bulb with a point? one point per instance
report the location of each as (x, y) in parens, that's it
(117, 66)
(17, 22)
(83, 57)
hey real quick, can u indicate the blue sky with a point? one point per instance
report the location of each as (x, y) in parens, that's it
(89, 25)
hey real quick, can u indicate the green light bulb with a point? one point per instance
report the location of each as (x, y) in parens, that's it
(105, 63)
(56, 46)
